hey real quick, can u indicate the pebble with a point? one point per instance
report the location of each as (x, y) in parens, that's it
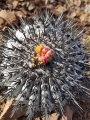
(52, 1)
(31, 7)
(87, 9)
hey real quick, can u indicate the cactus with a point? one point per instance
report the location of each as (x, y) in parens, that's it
(44, 65)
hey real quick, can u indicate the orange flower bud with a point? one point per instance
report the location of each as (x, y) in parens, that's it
(39, 49)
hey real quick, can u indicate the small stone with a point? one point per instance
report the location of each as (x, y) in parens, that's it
(31, 7)
(87, 9)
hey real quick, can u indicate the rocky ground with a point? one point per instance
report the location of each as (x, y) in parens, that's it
(78, 10)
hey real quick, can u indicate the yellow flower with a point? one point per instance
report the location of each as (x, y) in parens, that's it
(39, 49)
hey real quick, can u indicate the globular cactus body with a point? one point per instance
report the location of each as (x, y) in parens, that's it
(44, 87)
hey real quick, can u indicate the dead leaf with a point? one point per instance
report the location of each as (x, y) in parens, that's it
(58, 10)
(10, 6)
(8, 15)
(37, 1)
(68, 113)
(50, 6)
(27, 4)
(19, 14)
(53, 116)
(89, 115)
(5, 115)
(75, 13)
(24, 12)
(15, 3)
(7, 106)
(1, 21)
(77, 2)
(46, 2)
(83, 17)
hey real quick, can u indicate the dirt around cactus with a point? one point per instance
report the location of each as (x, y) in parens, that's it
(78, 10)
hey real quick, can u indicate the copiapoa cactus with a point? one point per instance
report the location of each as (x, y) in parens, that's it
(44, 65)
